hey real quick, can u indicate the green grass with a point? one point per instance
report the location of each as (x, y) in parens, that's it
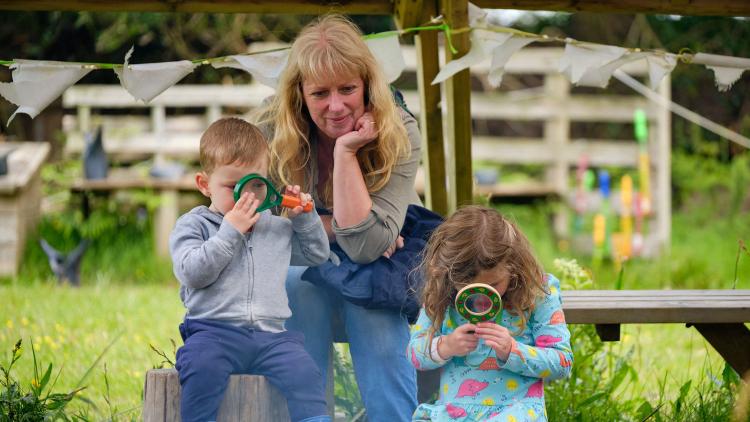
(71, 327)
(130, 295)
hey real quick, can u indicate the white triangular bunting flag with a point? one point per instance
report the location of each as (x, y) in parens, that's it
(145, 81)
(481, 46)
(727, 69)
(659, 65)
(265, 67)
(726, 76)
(500, 56)
(582, 57)
(599, 77)
(387, 52)
(37, 83)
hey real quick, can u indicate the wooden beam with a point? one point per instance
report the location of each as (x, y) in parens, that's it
(302, 7)
(409, 13)
(458, 104)
(431, 120)
(669, 7)
(731, 341)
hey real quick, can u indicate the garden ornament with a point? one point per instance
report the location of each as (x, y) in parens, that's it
(263, 189)
(95, 164)
(66, 266)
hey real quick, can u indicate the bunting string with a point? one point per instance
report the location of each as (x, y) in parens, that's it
(36, 83)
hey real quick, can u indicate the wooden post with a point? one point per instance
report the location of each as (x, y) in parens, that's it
(663, 163)
(556, 139)
(248, 398)
(166, 217)
(458, 104)
(431, 118)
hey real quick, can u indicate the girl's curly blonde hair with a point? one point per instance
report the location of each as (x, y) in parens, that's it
(332, 45)
(471, 240)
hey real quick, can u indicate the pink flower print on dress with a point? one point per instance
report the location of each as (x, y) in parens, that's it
(414, 360)
(546, 341)
(557, 318)
(455, 412)
(536, 389)
(470, 388)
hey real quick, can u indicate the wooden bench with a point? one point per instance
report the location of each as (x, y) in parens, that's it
(719, 315)
(249, 398)
(20, 199)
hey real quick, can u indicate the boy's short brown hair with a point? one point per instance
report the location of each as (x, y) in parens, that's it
(231, 140)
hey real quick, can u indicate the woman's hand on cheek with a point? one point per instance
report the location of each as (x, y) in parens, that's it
(497, 337)
(365, 131)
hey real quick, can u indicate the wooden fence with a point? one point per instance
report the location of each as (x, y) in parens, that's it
(551, 104)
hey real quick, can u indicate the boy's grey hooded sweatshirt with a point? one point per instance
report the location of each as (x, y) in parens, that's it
(225, 275)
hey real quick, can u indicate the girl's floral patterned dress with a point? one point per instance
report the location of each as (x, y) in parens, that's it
(481, 387)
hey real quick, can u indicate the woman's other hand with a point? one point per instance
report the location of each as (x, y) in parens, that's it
(365, 131)
(397, 244)
(458, 343)
(295, 191)
(497, 337)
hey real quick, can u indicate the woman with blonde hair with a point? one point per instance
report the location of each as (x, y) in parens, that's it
(336, 130)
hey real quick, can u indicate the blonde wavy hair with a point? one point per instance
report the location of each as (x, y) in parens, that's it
(332, 45)
(471, 240)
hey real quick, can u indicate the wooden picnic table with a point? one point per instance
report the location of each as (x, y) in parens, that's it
(719, 315)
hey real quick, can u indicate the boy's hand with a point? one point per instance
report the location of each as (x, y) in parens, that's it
(304, 198)
(497, 337)
(458, 343)
(242, 216)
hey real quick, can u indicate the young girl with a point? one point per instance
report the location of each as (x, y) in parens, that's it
(494, 370)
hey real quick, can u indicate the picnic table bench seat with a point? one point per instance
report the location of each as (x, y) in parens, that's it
(719, 315)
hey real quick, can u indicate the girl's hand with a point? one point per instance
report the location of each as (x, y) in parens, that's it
(497, 337)
(397, 244)
(304, 198)
(458, 343)
(365, 131)
(242, 216)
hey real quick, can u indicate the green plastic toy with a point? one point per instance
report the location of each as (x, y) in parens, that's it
(262, 188)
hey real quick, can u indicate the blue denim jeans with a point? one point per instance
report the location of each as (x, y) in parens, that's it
(377, 342)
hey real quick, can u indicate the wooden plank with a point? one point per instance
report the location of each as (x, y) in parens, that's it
(247, 398)
(381, 7)
(731, 341)
(600, 152)
(674, 7)
(154, 396)
(185, 183)
(698, 294)
(301, 7)
(431, 122)
(24, 163)
(580, 108)
(458, 109)
(408, 13)
(114, 96)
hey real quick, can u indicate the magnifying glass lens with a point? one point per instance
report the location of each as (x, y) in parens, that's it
(478, 303)
(257, 187)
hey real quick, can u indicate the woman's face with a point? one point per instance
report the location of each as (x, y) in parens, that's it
(335, 104)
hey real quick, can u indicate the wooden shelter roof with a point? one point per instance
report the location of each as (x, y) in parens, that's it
(384, 7)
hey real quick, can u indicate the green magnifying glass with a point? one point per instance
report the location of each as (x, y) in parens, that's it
(264, 191)
(479, 302)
